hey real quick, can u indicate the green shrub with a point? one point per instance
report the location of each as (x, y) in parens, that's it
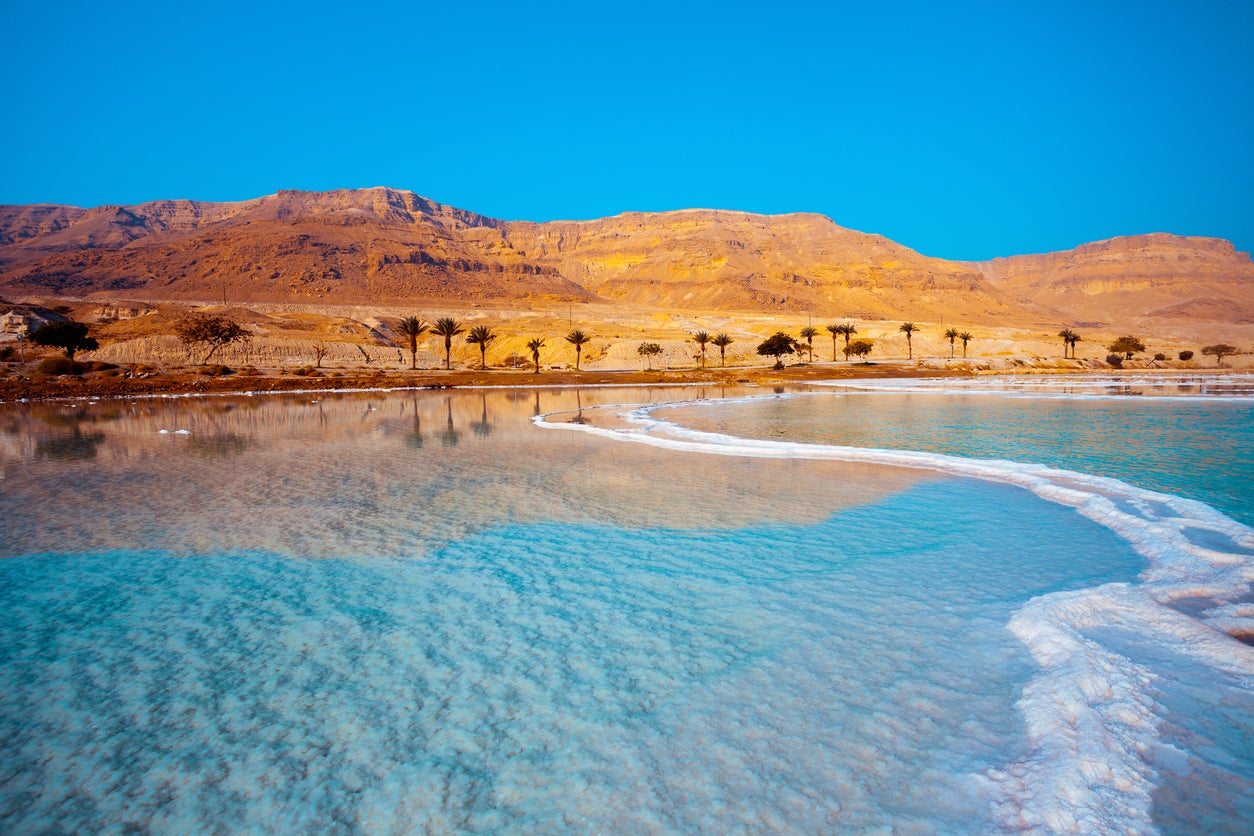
(1186, 355)
(1115, 360)
(1160, 356)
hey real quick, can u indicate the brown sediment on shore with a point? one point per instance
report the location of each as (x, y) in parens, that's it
(126, 383)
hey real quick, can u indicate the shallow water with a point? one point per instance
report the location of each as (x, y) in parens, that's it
(420, 610)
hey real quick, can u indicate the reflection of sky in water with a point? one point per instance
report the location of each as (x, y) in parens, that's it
(510, 628)
(1195, 448)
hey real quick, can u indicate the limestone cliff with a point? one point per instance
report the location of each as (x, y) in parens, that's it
(386, 246)
(1156, 276)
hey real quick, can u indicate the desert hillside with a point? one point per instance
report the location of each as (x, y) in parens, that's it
(383, 246)
(386, 247)
(1147, 279)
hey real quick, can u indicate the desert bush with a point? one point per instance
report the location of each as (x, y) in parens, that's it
(306, 371)
(215, 370)
(9, 353)
(53, 366)
(1115, 360)
(1160, 356)
(1186, 355)
(98, 366)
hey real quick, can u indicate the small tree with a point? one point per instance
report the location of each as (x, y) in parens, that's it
(847, 329)
(71, 336)
(777, 345)
(702, 338)
(212, 331)
(1219, 351)
(411, 327)
(481, 335)
(1127, 346)
(447, 327)
(578, 339)
(647, 352)
(908, 328)
(966, 338)
(861, 348)
(808, 334)
(534, 345)
(951, 335)
(1067, 340)
(721, 341)
(320, 351)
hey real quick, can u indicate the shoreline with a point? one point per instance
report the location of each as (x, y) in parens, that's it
(122, 382)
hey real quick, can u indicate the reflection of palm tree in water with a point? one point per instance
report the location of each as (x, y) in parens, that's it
(414, 438)
(482, 427)
(450, 437)
(578, 419)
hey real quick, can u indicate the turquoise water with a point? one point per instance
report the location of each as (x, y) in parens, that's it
(416, 612)
(1197, 447)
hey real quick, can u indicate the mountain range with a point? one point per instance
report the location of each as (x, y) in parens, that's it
(384, 246)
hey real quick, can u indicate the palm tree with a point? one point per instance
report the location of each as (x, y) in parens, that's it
(847, 329)
(966, 338)
(534, 345)
(908, 329)
(701, 338)
(1073, 339)
(447, 327)
(951, 335)
(578, 339)
(412, 328)
(481, 335)
(1066, 335)
(808, 333)
(722, 341)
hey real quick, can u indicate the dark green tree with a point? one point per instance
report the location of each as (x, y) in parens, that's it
(648, 351)
(481, 335)
(411, 327)
(447, 327)
(808, 334)
(212, 331)
(777, 345)
(861, 348)
(534, 345)
(578, 339)
(1219, 351)
(701, 338)
(1067, 336)
(846, 329)
(721, 341)
(71, 336)
(1127, 346)
(908, 328)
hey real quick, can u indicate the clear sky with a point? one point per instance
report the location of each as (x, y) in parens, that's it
(964, 130)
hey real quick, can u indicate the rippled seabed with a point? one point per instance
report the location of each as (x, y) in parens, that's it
(420, 611)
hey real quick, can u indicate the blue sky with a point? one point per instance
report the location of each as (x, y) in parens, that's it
(963, 130)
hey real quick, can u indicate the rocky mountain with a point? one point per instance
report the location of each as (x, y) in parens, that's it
(1140, 277)
(384, 246)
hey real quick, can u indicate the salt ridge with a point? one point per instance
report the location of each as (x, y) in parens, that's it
(1089, 717)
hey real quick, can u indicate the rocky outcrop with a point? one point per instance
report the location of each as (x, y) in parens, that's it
(1133, 278)
(387, 246)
